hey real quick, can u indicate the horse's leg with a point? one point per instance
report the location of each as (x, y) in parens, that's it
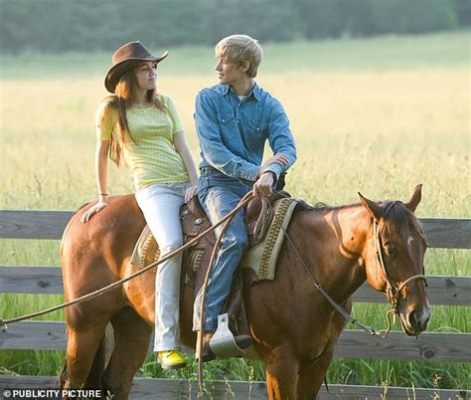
(82, 346)
(311, 375)
(132, 338)
(281, 374)
(312, 372)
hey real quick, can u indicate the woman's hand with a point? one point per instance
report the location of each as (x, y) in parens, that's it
(281, 159)
(190, 193)
(101, 165)
(93, 210)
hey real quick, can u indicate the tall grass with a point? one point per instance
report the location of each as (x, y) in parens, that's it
(376, 116)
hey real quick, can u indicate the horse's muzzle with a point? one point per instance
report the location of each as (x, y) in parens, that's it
(415, 322)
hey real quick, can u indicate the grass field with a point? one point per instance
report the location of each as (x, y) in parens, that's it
(374, 115)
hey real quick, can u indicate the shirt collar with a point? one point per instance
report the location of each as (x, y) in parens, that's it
(224, 89)
(256, 91)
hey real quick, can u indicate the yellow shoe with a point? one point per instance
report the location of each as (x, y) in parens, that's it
(171, 359)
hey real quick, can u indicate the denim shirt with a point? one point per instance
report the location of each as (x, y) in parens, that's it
(232, 132)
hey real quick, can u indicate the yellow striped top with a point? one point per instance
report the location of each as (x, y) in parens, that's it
(151, 155)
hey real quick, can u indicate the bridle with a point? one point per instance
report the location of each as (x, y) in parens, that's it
(393, 290)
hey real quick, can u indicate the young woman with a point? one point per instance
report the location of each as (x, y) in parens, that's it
(145, 128)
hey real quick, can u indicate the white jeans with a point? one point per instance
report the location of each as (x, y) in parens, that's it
(160, 205)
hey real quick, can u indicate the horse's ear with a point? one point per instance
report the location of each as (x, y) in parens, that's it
(373, 208)
(415, 198)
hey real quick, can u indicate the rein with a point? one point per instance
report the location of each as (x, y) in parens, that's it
(199, 347)
(332, 302)
(114, 285)
(393, 291)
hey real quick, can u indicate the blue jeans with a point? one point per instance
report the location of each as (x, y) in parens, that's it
(219, 194)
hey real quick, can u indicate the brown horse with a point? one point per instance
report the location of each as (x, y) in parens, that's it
(293, 325)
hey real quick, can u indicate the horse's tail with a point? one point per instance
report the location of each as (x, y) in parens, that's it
(62, 379)
(102, 357)
(95, 377)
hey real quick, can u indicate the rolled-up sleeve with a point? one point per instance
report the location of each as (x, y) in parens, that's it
(212, 147)
(280, 138)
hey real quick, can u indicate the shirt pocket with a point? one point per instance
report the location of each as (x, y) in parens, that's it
(258, 127)
(226, 119)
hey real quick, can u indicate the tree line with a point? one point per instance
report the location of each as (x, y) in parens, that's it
(88, 25)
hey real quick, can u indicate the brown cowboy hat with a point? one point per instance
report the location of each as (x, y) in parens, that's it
(125, 58)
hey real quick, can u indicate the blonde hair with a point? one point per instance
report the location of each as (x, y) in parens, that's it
(240, 48)
(121, 101)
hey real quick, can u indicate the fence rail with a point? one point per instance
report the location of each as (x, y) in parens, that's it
(442, 290)
(432, 346)
(441, 232)
(171, 389)
(429, 346)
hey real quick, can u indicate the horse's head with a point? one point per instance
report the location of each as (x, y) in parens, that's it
(394, 259)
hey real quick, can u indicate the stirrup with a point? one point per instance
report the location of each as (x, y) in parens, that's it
(223, 343)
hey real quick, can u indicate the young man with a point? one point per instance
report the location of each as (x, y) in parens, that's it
(234, 119)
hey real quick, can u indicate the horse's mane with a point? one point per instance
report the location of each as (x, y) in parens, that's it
(324, 207)
(397, 213)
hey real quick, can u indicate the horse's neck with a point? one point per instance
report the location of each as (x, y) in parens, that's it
(337, 237)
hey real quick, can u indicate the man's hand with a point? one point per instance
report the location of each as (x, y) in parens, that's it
(263, 186)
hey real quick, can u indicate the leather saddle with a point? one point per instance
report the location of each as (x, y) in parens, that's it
(195, 263)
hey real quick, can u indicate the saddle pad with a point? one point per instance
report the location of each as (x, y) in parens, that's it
(146, 250)
(262, 257)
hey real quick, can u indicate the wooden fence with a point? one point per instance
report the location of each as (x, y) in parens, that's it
(430, 346)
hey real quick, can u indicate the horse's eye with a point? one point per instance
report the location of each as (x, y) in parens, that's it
(389, 250)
